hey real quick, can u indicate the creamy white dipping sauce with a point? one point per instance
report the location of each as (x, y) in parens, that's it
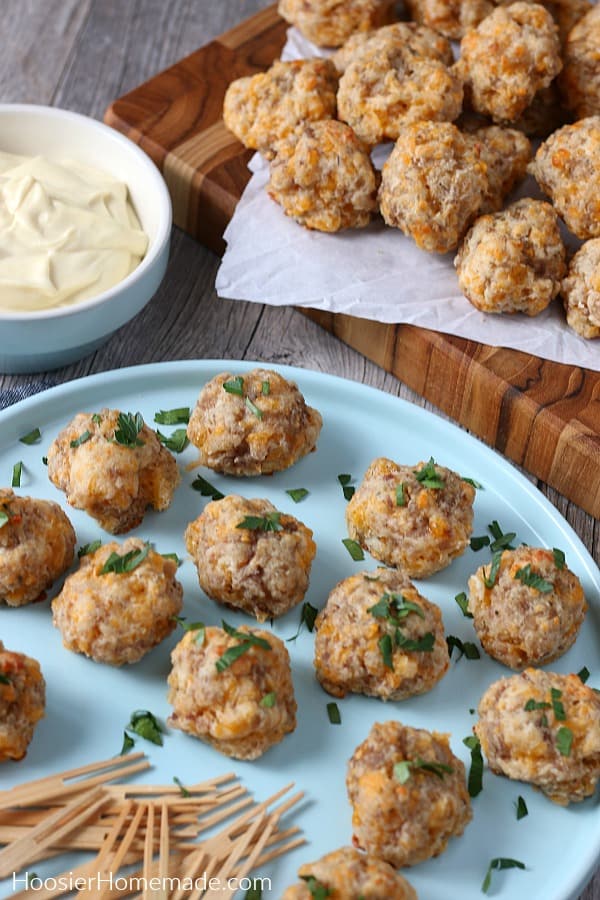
(67, 232)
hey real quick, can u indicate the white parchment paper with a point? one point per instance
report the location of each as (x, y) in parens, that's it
(373, 273)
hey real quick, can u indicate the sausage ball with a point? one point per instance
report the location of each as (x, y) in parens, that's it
(232, 689)
(514, 260)
(250, 556)
(252, 425)
(263, 109)
(325, 179)
(543, 728)
(113, 466)
(432, 185)
(418, 39)
(37, 544)
(452, 18)
(416, 518)
(378, 636)
(387, 85)
(328, 23)
(22, 702)
(347, 874)
(581, 291)
(567, 168)
(544, 114)
(508, 58)
(402, 811)
(532, 613)
(505, 153)
(119, 604)
(580, 78)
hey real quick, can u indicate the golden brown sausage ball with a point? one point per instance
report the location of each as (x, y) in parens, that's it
(580, 79)
(514, 260)
(328, 23)
(532, 612)
(416, 518)
(508, 58)
(505, 153)
(543, 728)
(263, 109)
(388, 85)
(325, 179)
(581, 290)
(567, 168)
(404, 812)
(113, 466)
(232, 689)
(378, 636)
(347, 874)
(119, 604)
(253, 424)
(433, 185)
(250, 556)
(418, 39)
(22, 702)
(37, 544)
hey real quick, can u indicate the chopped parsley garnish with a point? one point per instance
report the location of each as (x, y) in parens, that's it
(465, 648)
(246, 640)
(32, 437)
(317, 890)
(475, 780)
(182, 788)
(128, 744)
(347, 488)
(394, 608)
(559, 558)
(335, 716)
(254, 892)
(502, 541)
(119, 565)
(265, 388)
(564, 741)
(235, 386)
(476, 484)
(521, 808)
(533, 704)
(498, 863)
(424, 644)
(463, 603)
(179, 416)
(400, 494)
(176, 442)
(85, 549)
(205, 488)
(253, 408)
(96, 418)
(354, 549)
(268, 522)
(490, 579)
(173, 557)
(269, 700)
(4, 679)
(476, 543)
(16, 474)
(557, 706)
(45, 460)
(307, 617)
(429, 477)
(534, 579)
(83, 437)
(4, 517)
(297, 494)
(128, 429)
(147, 726)
(583, 674)
(200, 627)
(386, 649)
(404, 769)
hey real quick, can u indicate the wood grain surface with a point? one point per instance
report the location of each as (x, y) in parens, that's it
(543, 415)
(80, 55)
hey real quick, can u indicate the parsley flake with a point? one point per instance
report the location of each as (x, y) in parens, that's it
(403, 770)
(173, 557)
(119, 565)
(265, 388)
(246, 640)
(205, 488)
(533, 579)
(307, 617)
(179, 416)
(401, 494)
(254, 892)
(533, 704)
(297, 494)
(521, 808)
(335, 716)
(176, 442)
(4, 679)
(253, 408)
(235, 386)
(147, 726)
(354, 549)
(490, 579)
(182, 788)
(317, 890)
(559, 558)
(502, 541)
(583, 674)
(83, 437)
(128, 744)
(424, 644)
(476, 543)
(32, 437)
(128, 429)
(463, 603)
(557, 706)
(268, 522)
(564, 741)
(465, 648)
(386, 649)
(4, 517)
(16, 474)
(395, 607)
(200, 627)
(45, 460)
(269, 700)
(429, 477)
(85, 549)
(476, 484)
(496, 864)
(347, 488)
(475, 780)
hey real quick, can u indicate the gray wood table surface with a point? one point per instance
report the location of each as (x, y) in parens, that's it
(81, 55)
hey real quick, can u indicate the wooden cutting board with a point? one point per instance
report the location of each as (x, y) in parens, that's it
(543, 415)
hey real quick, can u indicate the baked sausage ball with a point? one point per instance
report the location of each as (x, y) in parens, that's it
(580, 79)
(113, 466)
(387, 85)
(418, 39)
(22, 702)
(253, 424)
(513, 260)
(346, 874)
(250, 556)
(232, 689)
(567, 168)
(505, 153)
(378, 636)
(508, 58)
(543, 728)
(452, 18)
(532, 613)
(581, 290)
(263, 109)
(417, 518)
(432, 185)
(37, 544)
(328, 23)
(403, 812)
(119, 604)
(325, 179)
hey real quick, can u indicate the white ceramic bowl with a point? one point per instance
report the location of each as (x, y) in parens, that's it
(36, 341)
